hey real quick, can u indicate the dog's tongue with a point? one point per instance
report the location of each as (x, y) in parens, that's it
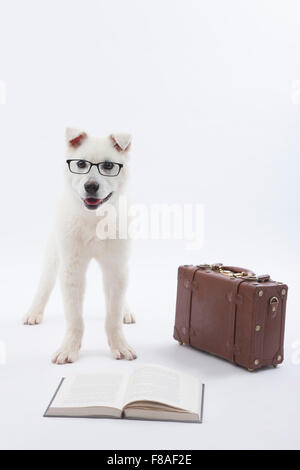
(92, 201)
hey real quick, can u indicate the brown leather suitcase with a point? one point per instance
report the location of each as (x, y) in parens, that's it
(231, 313)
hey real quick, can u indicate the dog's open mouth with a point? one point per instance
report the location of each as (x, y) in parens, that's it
(94, 203)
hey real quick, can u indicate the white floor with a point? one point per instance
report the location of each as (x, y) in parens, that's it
(242, 410)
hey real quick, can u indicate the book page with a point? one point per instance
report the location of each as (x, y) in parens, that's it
(104, 389)
(160, 384)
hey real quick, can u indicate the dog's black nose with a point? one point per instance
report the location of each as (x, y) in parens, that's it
(91, 187)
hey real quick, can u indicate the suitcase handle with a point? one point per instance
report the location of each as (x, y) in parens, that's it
(234, 271)
(246, 274)
(237, 270)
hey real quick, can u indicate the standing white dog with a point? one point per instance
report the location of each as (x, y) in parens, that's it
(96, 170)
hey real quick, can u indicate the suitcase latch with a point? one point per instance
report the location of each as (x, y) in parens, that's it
(274, 302)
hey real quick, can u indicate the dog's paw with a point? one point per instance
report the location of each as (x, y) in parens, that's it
(33, 318)
(128, 318)
(124, 353)
(65, 356)
(121, 350)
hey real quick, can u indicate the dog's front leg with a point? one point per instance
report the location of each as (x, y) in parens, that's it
(115, 283)
(72, 279)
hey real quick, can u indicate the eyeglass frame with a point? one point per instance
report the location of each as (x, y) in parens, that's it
(120, 165)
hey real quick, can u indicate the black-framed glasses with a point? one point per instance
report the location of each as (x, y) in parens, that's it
(106, 168)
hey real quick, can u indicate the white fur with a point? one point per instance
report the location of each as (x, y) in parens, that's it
(74, 243)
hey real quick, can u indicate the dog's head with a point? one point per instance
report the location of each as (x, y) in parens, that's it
(96, 168)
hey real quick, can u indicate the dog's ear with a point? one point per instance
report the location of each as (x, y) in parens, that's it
(121, 141)
(75, 137)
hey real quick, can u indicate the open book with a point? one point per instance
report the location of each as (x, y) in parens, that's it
(149, 392)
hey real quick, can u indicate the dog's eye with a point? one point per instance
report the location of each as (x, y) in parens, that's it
(107, 165)
(108, 168)
(81, 164)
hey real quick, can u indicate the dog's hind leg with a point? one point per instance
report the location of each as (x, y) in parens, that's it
(34, 315)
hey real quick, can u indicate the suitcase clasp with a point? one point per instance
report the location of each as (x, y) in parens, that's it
(274, 302)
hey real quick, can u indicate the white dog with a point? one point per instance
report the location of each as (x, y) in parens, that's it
(96, 170)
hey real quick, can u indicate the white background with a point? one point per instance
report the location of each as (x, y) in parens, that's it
(210, 91)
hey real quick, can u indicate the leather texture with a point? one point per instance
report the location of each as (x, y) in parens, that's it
(235, 318)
